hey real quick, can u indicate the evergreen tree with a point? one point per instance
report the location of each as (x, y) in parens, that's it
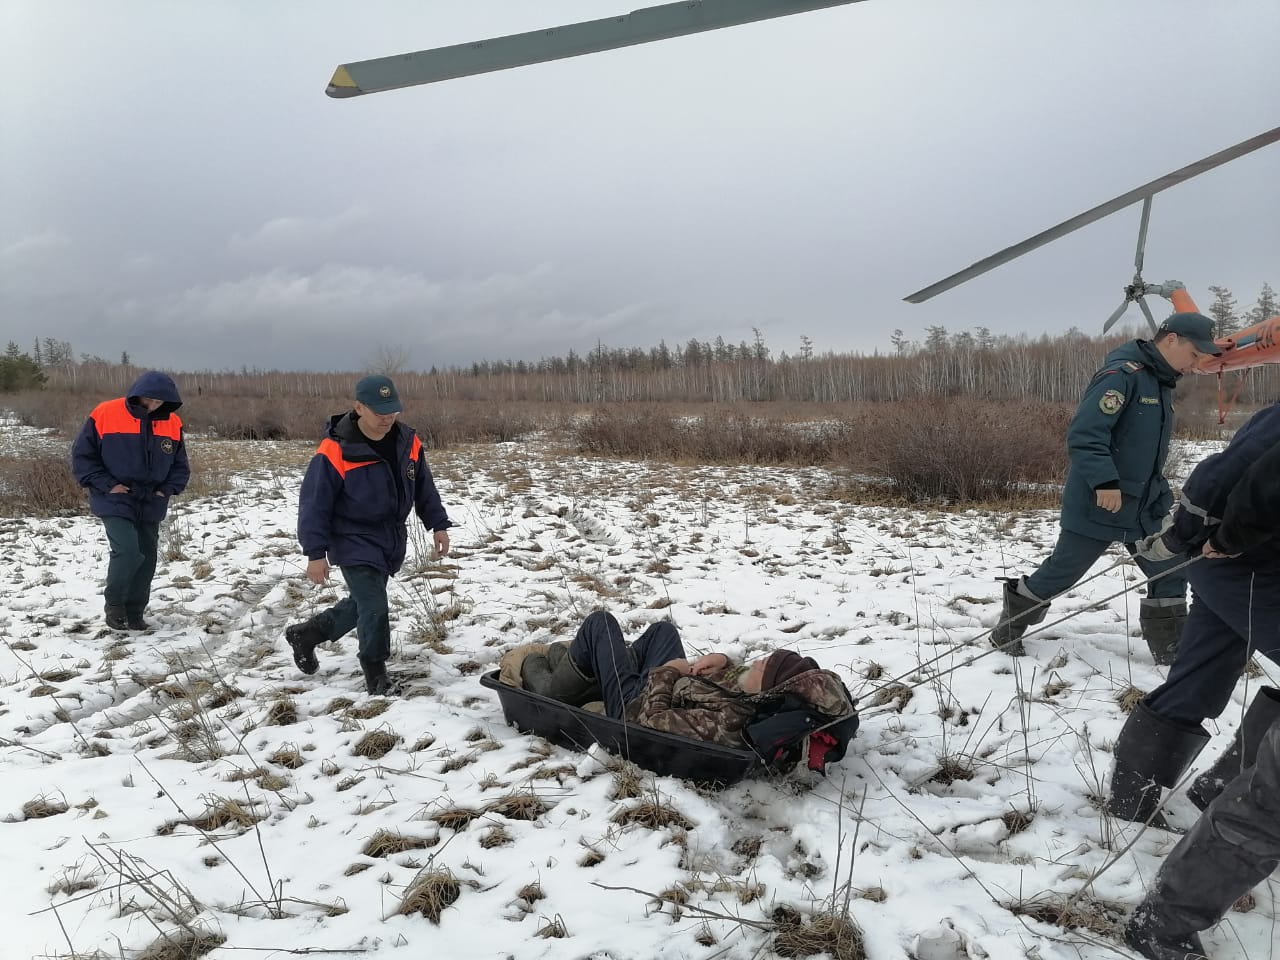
(18, 371)
(1223, 312)
(1266, 307)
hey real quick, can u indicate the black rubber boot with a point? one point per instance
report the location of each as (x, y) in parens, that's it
(376, 679)
(1151, 752)
(1240, 756)
(135, 620)
(555, 675)
(1145, 932)
(303, 638)
(1234, 846)
(1162, 628)
(116, 618)
(1019, 612)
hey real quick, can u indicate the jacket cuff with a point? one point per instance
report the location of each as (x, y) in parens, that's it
(317, 554)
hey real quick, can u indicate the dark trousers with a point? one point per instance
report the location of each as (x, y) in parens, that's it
(365, 609)
(1235, 610)
(1074, 554)
(599, 651)
(133, 547)
(1232, 848)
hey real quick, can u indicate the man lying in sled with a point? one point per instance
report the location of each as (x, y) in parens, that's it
(651, 682)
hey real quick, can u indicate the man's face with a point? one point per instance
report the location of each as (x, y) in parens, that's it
(150, 403)
(375, 426)
(1181, 353)
(753, 679)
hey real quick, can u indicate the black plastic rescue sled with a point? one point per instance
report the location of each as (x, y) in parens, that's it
(663, 753)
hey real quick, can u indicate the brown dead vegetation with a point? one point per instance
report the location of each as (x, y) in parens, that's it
(430, 894)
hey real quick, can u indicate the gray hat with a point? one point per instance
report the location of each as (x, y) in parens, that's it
(1195, 327)
(378, 393)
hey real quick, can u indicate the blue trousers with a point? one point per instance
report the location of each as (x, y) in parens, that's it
(365, 609)
(133, 548)
(1074, 554)
(599, 651)
(1235, 610)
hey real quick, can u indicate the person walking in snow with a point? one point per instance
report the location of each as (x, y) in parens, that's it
(1115, 490)
(367, 474)
(1229, 515)
(131, 457)
(1232, 848)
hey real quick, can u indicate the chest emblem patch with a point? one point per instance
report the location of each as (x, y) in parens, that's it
(1111, 402)
(166, 446)
(411, 471)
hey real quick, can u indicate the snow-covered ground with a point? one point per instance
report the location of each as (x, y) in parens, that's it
(191, 783)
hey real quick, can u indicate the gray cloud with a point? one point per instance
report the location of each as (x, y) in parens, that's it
(209, 207)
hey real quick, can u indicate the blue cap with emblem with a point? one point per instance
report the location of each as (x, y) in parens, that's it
(378, 393)
(1195, 327)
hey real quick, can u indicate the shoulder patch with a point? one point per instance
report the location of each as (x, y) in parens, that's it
(1111, 402)
(1130, 365)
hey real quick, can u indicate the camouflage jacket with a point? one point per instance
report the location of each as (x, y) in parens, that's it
(691, 707)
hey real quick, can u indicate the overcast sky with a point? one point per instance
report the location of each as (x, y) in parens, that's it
(174, 183)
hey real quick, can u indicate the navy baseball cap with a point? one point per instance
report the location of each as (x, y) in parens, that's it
(378, 393)
(1196, 327)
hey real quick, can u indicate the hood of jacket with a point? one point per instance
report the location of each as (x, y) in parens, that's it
(159, 386)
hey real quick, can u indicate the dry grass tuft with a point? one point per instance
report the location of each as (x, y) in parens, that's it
(833, 934)
(182, 945)
(368, 710)
(235, 776)
(653, 814)
(339, 703)
(893, 692)
(531, 893)
(355, 868)
(591, 858)
(273, 782)
(1078, 913)
(627, 781)
(496, 836)
(553, 929)
(456, 818)
(288, 756)
(523, 805)
(748, 847)
(1017, 821)
(1129, 698)
(42, 807)
(221, 812)
(387, 843)
(430, 894)
(422, 743)
(458, 761)
(282, 712)
(376, 744)
(221, 695)
(952, 769)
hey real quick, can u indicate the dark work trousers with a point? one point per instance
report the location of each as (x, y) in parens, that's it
(1235, 611)
(598, 650)
(132, 566)
(1232, 848)
(365, 609)
(1074, 554)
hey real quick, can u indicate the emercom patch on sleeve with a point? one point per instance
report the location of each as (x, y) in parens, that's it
(1111, 402)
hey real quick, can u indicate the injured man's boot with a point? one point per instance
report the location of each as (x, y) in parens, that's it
(555, 675)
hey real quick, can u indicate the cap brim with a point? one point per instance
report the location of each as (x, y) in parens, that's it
(1206, 346)
(389, 406)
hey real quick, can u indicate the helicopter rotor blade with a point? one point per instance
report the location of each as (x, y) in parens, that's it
(1142, 237)
(1116, 315)
(1146, 312)
(1146, 191)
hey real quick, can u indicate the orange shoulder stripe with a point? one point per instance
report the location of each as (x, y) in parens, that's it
(331, 451)
(113, 416)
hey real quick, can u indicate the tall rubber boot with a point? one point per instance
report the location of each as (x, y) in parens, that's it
(1162, 623)
(1234, 846)
(555, 675)
(1021, 609)
(1151, 753)
(1240, 756)
(303, 638)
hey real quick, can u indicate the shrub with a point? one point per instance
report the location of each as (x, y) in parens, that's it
(42, 486)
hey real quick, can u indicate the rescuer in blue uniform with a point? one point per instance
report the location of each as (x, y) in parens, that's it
(1115, 490)
(1229, 515)
(131, 457)
(367, 474)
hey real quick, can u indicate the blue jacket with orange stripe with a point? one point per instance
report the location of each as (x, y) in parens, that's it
(354, 504)
(121, 443)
